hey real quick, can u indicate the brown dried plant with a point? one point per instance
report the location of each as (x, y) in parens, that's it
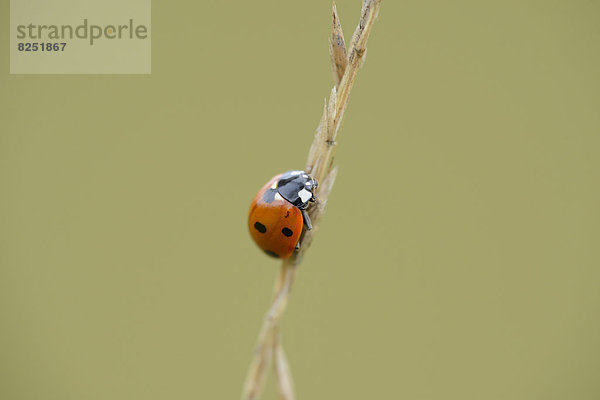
(320, 165)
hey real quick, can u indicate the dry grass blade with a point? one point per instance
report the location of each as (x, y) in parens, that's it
(337, 48)
(320, 166)
(282, 371)
(358, 49)
(263, 352)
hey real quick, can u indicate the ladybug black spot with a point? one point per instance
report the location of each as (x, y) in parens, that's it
(287, 232)
(272, 254)
(260, 227)
(269, 195)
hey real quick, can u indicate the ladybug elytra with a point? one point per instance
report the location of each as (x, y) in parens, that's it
(278, 212)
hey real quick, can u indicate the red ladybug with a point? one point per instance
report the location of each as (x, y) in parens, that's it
(278, 212)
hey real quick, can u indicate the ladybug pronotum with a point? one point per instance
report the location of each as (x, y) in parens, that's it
(278, 212)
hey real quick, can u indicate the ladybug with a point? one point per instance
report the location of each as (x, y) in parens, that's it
(278, 212)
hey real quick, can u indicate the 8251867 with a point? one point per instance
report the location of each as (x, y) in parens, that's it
(43, 46)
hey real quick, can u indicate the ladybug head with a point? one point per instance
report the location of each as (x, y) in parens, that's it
(306, 190)
(298, 188)
(311, 185)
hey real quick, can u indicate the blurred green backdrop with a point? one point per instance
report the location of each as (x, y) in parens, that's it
(468, 268)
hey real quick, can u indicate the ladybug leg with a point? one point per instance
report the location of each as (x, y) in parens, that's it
(306, 219)
(298, 245)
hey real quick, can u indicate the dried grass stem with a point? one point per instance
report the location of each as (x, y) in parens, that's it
(320, 165)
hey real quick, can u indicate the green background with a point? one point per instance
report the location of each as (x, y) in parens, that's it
(458, 258)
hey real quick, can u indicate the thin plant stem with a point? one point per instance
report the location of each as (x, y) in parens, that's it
(319, 164)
